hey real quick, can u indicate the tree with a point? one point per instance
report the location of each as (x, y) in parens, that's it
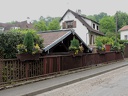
(122, 19)
(40, 25)
(97, 17)
(107, 24)
(54, 25)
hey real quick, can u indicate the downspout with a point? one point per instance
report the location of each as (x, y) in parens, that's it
(86, 38)
(48, 51)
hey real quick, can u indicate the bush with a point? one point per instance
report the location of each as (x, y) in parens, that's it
(32, 44)
(74, 44)
(123, 41)
(29, 42)
(9, 42)
(104, 40)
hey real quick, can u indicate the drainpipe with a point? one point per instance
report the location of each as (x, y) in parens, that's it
(48, 51)
(86, 38)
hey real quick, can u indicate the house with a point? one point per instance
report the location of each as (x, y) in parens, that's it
(86, 29)
(124, 33)
(16, 25)
(59, 41)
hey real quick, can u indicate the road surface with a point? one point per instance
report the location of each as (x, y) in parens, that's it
(113, 83)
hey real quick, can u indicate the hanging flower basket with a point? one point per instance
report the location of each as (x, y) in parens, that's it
(27, 56)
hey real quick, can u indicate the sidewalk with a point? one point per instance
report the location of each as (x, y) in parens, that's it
(49, 84)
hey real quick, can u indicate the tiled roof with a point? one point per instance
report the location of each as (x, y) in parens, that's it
(80, 18)
(22, 25)
(53, 37)
(124, 28)
(50, 37)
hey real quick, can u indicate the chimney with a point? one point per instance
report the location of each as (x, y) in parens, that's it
(78, 12)
(28, 20)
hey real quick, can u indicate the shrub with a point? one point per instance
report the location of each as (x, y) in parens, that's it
(29, 42)
(9, 42)
(32, 44)
(74, 46)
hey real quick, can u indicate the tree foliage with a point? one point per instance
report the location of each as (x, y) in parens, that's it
(40, 25)
(97, 17)
(54, 25)
(122, 19)
(107, 24)
(9, 42)
(48, 23)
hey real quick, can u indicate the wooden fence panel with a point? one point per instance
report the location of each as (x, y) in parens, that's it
(1, 67)
(14, 69)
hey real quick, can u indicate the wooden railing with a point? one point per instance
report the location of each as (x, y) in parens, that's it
(15, 70)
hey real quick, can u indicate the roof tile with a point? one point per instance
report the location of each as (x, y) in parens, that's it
(124, 28)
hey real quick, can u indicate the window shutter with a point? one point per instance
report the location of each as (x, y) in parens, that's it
(64, 25)
(74, 24)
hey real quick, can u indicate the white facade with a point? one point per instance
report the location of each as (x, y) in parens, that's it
(80, 29)
(1, 29)
(124, 35)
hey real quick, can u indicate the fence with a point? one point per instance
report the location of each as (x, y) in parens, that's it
(15, 70)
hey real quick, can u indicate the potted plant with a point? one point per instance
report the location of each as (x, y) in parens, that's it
(74, 46)
(100, 48)
(28, 50)
(108, 44)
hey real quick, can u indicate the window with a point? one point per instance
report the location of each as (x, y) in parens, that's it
(94, 26)
(1, 29)
(97, 27)
(15, 28)
(69, 24)
(125, 37)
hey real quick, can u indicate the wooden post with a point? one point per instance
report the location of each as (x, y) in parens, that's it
(44, 65)
(26, 69)
(1, 67)
(58, 64)
(51, 65)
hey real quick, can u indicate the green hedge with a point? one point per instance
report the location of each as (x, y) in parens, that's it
(8, 43)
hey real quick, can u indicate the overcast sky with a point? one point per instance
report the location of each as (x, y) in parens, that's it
(19, 10)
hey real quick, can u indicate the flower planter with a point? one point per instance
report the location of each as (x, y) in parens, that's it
(27, 56)
(75, 55)
(100, 52)
(108, 47)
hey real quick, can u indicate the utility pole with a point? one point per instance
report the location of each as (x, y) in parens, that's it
(116, 26)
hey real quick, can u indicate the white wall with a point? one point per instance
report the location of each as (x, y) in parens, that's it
(80, 29)
(122, 34)
(89, 22)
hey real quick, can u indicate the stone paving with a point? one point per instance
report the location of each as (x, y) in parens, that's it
(113, 83)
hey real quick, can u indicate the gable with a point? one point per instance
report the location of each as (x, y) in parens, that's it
(53, 38)
(124, 28)
(85, 22)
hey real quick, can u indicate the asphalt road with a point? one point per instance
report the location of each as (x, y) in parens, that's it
(113, 83)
